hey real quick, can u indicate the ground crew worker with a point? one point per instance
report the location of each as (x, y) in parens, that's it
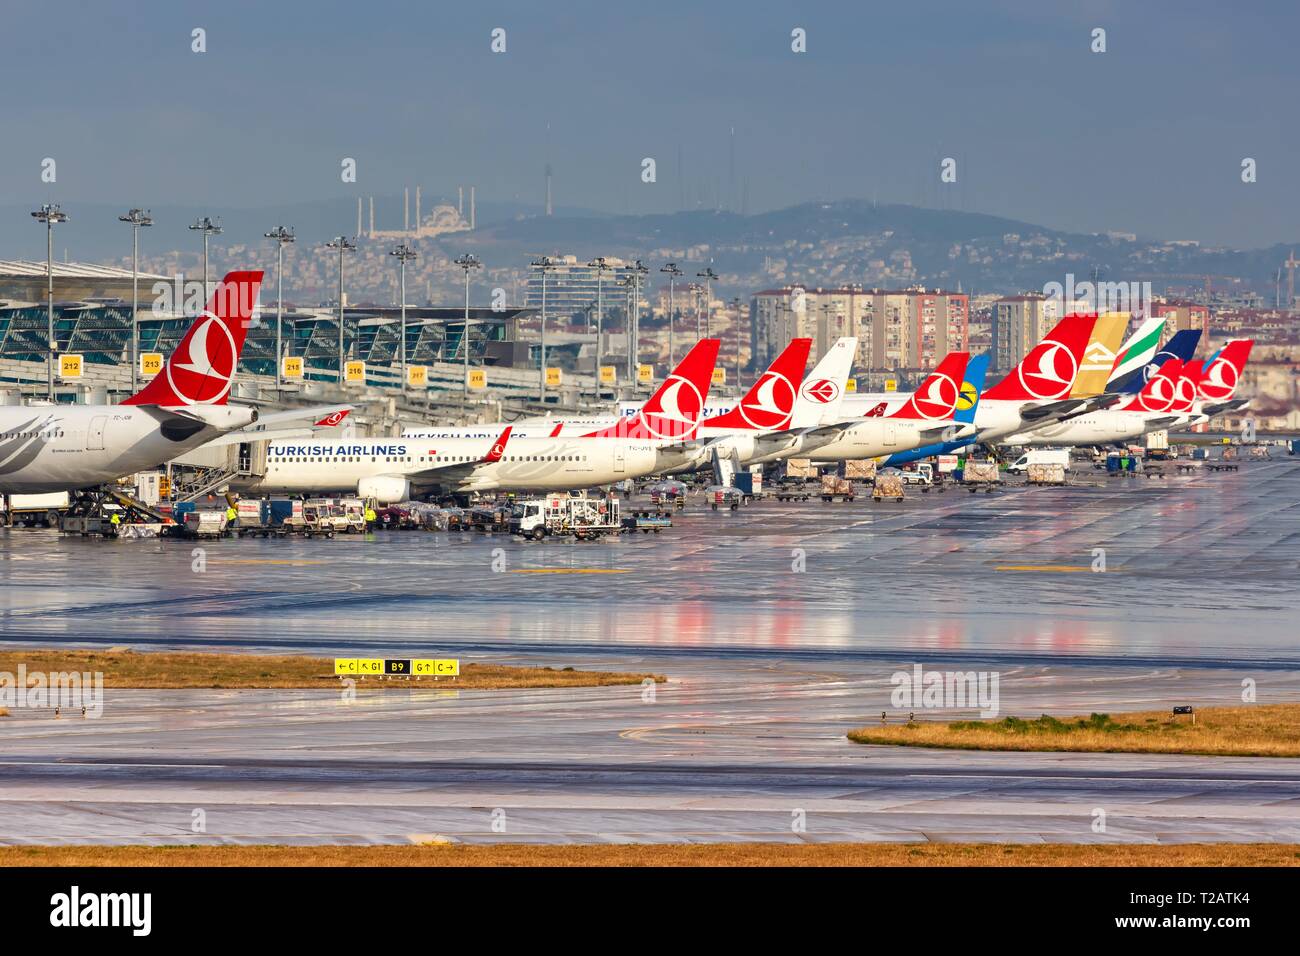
(371, 517)
(115, 520)
(232, 516)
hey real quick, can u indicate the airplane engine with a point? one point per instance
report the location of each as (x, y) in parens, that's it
(384, 488)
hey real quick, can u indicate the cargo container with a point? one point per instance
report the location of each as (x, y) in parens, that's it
(888, 486)
(859, 469)
(1041, 456)
(796, 468)
(1046, 473)
(835, 487)
(981, 474)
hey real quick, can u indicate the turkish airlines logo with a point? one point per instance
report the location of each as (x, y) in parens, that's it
(333, 418)
(1048, 371)
(937, 397)
(773, 402)
(1220, 382)
(1159, 394)
(676, 409)
(498, 450)
(823, 391)
(204, 372)
(1186, 393)
(878, 411)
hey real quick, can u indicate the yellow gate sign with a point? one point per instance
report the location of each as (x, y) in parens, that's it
(431, 668)
(355, 372)
(891, 385)
(348, 666)
(719, 376)
(851, 385)
(553, 376)
(151, 364)
(70, 366)
(477, 378)
(417, 376)
(293, 366)
(607, 375)
(645, 374)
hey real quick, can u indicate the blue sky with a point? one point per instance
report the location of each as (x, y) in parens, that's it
(1146, 137)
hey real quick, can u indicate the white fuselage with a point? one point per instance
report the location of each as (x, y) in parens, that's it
(873, 437)
(1101, 427)
(527, 464)
(69, 447)
(994, 418)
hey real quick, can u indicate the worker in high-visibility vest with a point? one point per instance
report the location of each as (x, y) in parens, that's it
(232, 517)
(115, 520)
(371, 517)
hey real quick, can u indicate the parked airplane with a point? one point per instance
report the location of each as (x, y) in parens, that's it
(924, 419)
(1142, 356)
(967, 406)
(1218, 382)
(1063, 374)
(396, 469)
(45, 448)
(1164, 401)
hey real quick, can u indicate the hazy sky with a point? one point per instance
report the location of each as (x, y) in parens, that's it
(1147, 137)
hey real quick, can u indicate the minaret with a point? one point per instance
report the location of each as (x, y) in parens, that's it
(471, 207)
(358, 215)
(418, 219)
(548, 189)
(372, 216)
(406, 209)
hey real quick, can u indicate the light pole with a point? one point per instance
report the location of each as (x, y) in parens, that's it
(208, 228)
(708, 275)
(282, 237)
(735, 307)
(638, 271)
(403, 254)
(136, 218)
(466, 262)
(342, 244)
(627, 280)
(673, 272)
(49, 214)
(601, 265)
(546, 264)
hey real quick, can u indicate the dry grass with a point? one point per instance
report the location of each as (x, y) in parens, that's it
(677, 855)
(167, 669)
(1271, 730)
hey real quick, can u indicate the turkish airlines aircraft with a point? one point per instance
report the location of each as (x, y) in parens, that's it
(925, 418)
(397, 469)
(1218, 383)
(1063, 374)
(47, 448)
(1165, 400)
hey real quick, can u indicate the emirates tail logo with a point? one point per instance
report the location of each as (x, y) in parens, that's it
(1048, 371)
(203, 368)
(772, 402)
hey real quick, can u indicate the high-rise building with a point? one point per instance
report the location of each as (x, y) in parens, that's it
(571, 287)
(907, 328)
(1019, 323)
(1179, 314)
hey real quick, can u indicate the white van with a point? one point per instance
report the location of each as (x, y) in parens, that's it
(1041, 456)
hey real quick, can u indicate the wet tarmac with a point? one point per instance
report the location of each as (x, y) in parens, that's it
(770, 665)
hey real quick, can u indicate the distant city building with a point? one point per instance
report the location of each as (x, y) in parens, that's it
(1019, 323)
(1180, 314)
(572, 286)
(907, 328)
